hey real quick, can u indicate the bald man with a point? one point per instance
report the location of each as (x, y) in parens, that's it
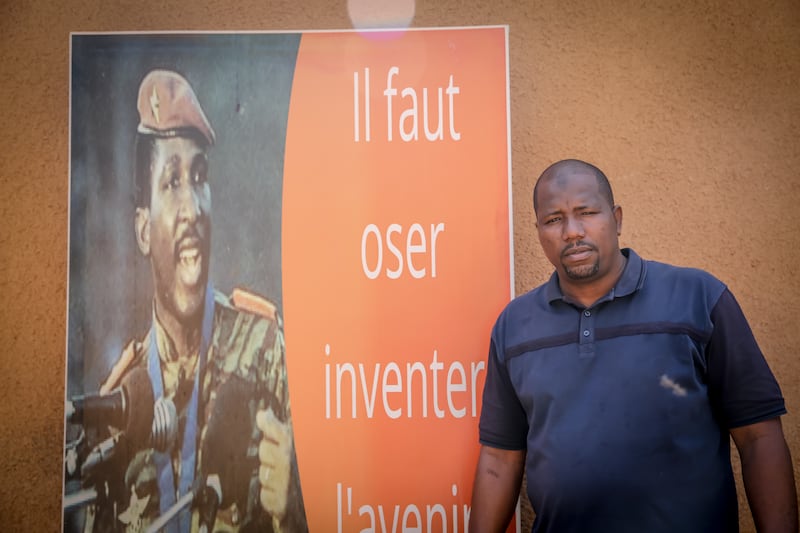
(617, 385)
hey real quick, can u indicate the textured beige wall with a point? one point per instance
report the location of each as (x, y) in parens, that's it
(691, 108)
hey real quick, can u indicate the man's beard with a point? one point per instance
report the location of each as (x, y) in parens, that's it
(582, 271)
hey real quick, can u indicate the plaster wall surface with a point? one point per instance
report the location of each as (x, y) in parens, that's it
(691, 108)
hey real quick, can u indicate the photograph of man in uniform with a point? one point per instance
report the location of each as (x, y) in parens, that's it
(210, 371)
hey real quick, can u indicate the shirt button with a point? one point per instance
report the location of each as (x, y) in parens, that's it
(587, 313)
(586, 333)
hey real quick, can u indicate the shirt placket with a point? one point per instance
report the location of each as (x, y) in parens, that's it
(586, 332)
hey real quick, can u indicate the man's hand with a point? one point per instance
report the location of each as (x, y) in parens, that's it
(275, 453)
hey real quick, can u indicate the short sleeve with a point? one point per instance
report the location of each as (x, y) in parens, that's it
(741, 385)
(503, 422)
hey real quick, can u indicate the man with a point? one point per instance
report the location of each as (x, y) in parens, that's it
(617, 384)
(220, 361)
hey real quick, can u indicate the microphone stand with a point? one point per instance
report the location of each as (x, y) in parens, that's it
(208, 495)
(171, 513)
(81, 497)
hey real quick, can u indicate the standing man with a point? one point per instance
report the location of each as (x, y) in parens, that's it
(219, 360)
(617, 385)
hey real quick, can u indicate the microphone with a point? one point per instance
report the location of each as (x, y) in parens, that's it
(226, 468)
(226, 464)
(162, 437)
(129, 407)
(164, 432)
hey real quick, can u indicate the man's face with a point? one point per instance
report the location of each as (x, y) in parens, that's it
(577, 226)
(177, 233)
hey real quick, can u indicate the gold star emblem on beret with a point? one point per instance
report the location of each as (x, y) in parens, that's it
(154, 103)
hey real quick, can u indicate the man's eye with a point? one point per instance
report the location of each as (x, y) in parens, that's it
(173, 181)
(199, 177)
(550, 221)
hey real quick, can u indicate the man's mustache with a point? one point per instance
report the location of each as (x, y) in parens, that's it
(579, 244)
(191, 236)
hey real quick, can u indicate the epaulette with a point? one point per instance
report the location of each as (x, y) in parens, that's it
(121, 367)
(253, 303)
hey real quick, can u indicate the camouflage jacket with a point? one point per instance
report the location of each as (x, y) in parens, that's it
(246, 354)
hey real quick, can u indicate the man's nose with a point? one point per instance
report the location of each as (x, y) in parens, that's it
(573, 229)
(190, 207)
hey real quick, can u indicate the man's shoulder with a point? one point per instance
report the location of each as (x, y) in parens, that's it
(248, 330)
(671, 292)
(533, 298)
(247, 306)
(528, 310)
(246, 301)
(671, 275)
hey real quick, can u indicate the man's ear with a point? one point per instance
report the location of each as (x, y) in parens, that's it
(142, 228)
(618, 218)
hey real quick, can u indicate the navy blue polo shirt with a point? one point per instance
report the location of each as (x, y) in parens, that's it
(624, 407)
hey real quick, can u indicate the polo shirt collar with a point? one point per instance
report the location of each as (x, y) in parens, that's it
(631, 280)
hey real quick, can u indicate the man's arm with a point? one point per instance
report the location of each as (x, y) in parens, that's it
(496, 489)
(768, 476)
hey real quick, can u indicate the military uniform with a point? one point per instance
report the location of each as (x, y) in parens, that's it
(246, 352)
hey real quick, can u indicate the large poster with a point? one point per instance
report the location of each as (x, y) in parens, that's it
(286, 254)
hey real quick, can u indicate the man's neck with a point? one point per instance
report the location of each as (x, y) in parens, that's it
(587, 294)
(182, 336)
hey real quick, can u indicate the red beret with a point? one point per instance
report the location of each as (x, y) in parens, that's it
(168, 106)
